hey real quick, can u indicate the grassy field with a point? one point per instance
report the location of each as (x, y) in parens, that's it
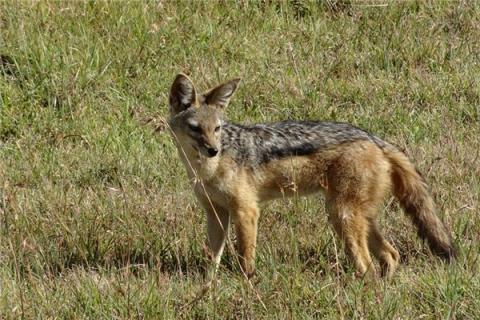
(97, 220)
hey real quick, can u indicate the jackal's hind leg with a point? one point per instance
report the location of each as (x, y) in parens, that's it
(383, 251)
(352, 228)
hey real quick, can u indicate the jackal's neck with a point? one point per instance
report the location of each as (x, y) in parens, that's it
(198, 166)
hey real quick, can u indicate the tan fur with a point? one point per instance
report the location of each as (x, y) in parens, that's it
(412, 192)
(355, 177)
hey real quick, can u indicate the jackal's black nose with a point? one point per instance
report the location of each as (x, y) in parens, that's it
(212, 152)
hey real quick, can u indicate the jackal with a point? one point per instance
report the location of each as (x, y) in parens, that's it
(235, 167)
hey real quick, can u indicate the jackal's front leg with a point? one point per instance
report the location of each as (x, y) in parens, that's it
(246, 224)
(218, 220)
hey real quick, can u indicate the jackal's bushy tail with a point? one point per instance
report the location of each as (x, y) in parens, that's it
(411, 190)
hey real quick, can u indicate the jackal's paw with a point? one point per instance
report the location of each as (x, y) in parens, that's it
(211, 283)
(251, 274)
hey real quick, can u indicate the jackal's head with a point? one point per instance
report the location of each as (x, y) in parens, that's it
(196, 119)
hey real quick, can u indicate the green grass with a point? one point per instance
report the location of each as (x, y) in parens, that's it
(96, 216)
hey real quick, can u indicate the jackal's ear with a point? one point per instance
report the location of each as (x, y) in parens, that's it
(220, 96)
(182, 94)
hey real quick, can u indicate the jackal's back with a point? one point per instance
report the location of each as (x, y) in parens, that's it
(261, 143)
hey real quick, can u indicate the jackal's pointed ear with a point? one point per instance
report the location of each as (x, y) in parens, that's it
(182, 94)
(220, 96)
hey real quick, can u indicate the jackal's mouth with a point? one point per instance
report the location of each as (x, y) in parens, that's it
(195, 148)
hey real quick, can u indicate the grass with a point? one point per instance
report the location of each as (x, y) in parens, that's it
(97, 218)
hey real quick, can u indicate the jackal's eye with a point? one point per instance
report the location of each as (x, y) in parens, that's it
(194, 128)
(217, 129)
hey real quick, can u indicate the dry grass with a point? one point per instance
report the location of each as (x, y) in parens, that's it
(97, 219)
